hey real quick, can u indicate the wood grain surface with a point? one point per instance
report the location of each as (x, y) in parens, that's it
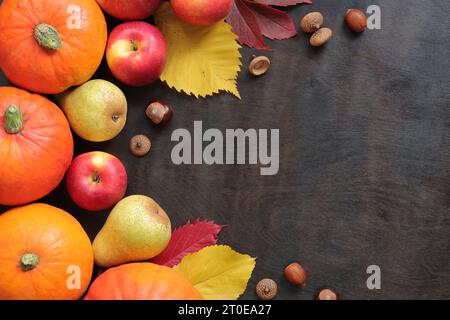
(364, 156)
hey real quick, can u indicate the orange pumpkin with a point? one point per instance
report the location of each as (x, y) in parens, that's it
(142, 281)
(45, 254)
(48, 46)
(36, 146)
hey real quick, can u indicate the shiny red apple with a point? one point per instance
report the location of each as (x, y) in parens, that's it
(201, 12)
(136, 53)
(130, 9)
(96, 181)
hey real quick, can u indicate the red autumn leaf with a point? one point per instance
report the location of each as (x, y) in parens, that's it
(274, 23)
(244, 24)
(251, 19)
(187, 239)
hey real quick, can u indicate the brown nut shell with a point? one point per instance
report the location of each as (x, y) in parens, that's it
(295, 274)
(327, 294)
(259, 65)
(140, 145)
(312, 22)
(266, 289)
(159, 112)
(356, 20)
(320, 37)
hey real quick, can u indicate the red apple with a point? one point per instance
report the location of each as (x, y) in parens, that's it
(130, 9)
(96, 181)
(136, 53)
(201, 12)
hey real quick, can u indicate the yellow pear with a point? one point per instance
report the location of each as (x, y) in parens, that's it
(96, 110)
(137, 229)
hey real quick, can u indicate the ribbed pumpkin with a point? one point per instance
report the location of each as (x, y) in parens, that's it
(142, 281)
(45, 254)
(47, 46)
(36, 146)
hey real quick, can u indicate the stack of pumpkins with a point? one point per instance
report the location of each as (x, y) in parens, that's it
(45, 252)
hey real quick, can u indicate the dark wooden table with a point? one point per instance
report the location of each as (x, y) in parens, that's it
(364, 159)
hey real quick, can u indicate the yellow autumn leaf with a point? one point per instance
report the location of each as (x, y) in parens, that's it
(218, 272)
(201, 61)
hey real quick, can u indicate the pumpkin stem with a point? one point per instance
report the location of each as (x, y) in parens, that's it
(13, 119)
(29, 261)
(47, 36)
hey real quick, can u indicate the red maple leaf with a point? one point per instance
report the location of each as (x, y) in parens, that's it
(253, 19)
(187, 239)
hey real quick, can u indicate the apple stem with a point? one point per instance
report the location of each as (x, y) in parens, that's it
(134, 45)
(96, 178)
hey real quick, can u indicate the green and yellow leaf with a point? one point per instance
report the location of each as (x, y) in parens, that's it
(218, 272)
(201, 60)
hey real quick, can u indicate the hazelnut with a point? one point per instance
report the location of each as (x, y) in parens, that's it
(266, 289)
(320, 37)
(159, 112)
(311, 22)
(259, 65)
(356, 20)
(140, 145)
(295, 274)
(327, 294)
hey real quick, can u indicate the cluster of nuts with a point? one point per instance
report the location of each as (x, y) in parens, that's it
(267, 289)
(312, 23)
(159, 112)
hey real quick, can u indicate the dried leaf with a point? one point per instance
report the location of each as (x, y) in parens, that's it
(201, 60)
(251, 19)
(187, 239)
(274, 23)
(245, 24)
(218, 272)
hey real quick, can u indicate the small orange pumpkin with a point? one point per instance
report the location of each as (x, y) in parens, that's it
(45, 254)
(48, 46)
(36, 146)
(142, 281)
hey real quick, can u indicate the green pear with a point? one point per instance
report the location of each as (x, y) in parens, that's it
(137, 229)
(96, 110)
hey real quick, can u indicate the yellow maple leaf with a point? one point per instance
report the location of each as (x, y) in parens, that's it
(218, 272)
(201, 61)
